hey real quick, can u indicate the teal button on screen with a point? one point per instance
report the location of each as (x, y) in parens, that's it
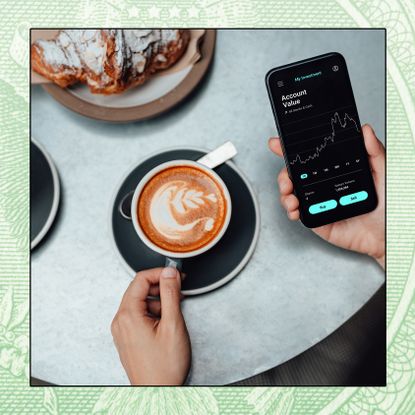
(353, 198)
(322, 207)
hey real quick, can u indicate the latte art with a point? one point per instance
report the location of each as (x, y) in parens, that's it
(173, 202)
(181, 208)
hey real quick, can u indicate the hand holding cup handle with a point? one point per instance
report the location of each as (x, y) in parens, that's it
(173, 263)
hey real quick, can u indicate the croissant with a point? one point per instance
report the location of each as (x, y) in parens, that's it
(108, 61)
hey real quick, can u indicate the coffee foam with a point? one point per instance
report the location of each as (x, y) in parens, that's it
(181, 208)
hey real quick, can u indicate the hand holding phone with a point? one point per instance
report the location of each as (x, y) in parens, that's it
(365, 233)
(321, 139)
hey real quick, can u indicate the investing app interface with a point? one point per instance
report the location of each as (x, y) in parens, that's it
(323, 144)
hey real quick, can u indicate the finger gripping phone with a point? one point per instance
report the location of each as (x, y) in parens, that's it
(321, 137)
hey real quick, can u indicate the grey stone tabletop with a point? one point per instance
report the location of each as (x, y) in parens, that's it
(295, 290)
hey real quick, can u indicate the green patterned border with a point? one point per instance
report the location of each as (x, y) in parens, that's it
(398, 16)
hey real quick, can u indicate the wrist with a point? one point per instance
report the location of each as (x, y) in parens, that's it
(161, 379)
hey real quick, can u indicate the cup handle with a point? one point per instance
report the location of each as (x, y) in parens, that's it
(174, 263)
(125, 205)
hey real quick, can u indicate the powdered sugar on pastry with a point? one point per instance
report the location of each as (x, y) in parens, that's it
(109, 61)
(73, 48)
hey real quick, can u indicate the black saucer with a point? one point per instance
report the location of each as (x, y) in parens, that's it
(44, 193)
(216, 266)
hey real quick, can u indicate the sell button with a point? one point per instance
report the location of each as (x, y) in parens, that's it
(353, 198)
(322, 207)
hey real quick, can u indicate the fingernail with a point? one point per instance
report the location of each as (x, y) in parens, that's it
(169, 272)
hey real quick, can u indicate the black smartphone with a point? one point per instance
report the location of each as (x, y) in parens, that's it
(321, 137)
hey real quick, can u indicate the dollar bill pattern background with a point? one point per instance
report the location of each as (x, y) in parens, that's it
(398, 16)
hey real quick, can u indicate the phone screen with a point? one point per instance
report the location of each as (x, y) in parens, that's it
(323, 145)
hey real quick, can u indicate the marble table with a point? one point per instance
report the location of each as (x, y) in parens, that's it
(296, 289)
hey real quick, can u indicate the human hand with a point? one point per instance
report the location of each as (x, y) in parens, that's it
(151, 335)
(364, 233)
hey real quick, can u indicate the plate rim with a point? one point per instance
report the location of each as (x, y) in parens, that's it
(56, 195)
(149, 110)
(244, 261)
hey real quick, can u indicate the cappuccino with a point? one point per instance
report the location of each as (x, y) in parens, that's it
(182, 208)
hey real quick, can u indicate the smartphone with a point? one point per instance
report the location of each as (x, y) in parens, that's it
(321, 137)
